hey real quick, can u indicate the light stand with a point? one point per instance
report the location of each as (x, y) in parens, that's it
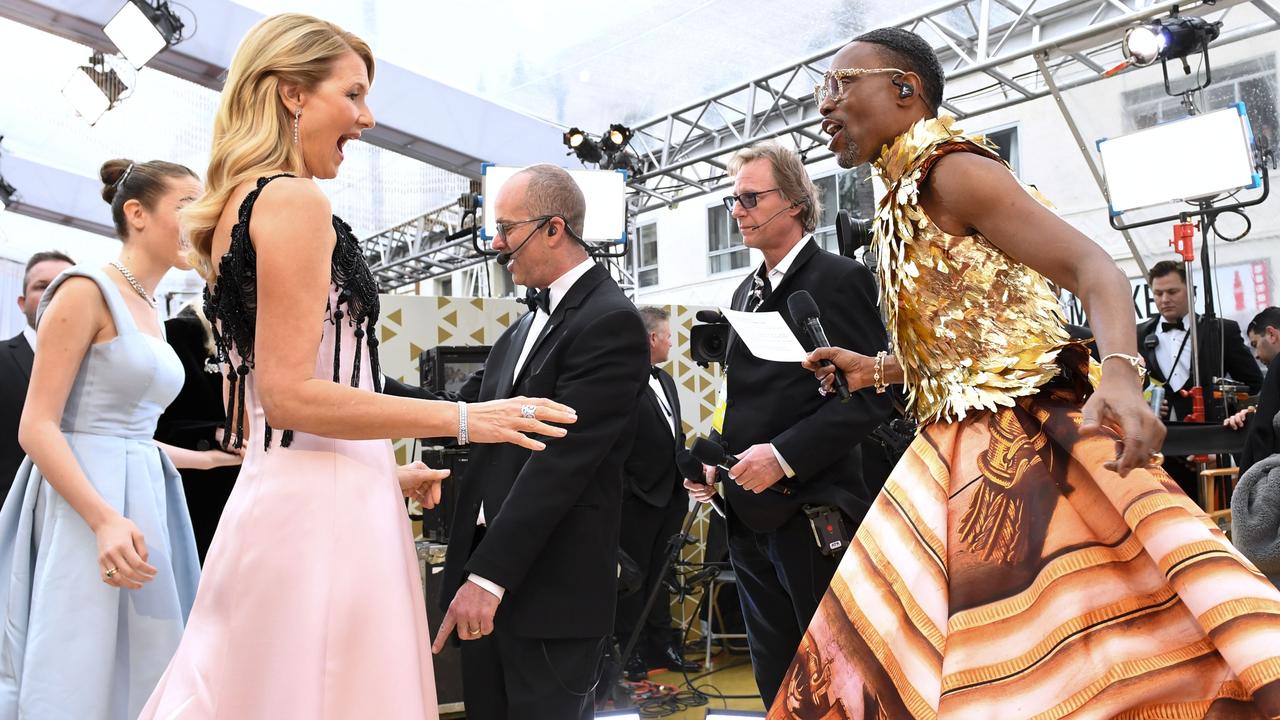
(677, 541)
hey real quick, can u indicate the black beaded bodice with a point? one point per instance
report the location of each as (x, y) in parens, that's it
(231, 306)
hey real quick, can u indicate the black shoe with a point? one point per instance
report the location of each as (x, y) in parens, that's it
(674, 660)
(636, 668)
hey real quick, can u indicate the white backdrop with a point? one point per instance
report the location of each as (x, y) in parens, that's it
(11, 318)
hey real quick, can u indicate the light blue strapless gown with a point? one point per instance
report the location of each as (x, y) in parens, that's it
(73, 647)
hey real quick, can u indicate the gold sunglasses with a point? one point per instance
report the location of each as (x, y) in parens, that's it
(832, 84)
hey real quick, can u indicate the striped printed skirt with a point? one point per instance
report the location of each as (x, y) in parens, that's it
(1002, 572)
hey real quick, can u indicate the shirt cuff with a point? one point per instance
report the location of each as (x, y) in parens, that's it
(491, 587)
(782, 461)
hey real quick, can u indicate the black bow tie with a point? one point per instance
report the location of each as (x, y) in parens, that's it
(538, 299)
(1177, 325)
(653, 372)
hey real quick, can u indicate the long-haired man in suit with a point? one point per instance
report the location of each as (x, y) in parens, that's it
(653, 507)
(16, 355)
(800, 469)
(530, 578)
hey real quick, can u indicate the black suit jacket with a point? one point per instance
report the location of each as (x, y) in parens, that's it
(1262, 441)
(1222, 353)
(16, 357)
(552, 516)
(778, 403)
(649, 472)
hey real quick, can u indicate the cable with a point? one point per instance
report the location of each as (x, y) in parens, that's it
(688, 681)
(195, 22)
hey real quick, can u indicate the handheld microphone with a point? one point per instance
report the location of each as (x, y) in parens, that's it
(804, 312)
(771, 217)
(691, 469)
(708, 452)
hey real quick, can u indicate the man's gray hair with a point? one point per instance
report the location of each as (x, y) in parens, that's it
(789, 175)
(652, 316)
(552, 191)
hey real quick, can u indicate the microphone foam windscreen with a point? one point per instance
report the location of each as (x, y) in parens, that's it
(707, 452)
(802, 307)
(689, 466)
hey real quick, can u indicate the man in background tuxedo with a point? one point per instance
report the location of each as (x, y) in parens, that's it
(798, 450)
(1258, 420)
(653, 508)
(530, 577)
(16, 356)
(1165, 344)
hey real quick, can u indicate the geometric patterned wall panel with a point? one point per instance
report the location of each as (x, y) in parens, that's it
(411, 323)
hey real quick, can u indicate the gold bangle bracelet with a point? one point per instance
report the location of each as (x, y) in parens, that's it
(878, 376)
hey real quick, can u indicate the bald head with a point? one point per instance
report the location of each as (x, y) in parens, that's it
(546, 208)
(550, 190)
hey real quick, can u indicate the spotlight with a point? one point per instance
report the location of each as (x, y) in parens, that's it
(574, 137)
(1169, 38)
(587, 150)
(616, 139)
(94, 89)
(140, 30)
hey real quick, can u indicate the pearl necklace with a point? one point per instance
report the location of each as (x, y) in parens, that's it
(133, 282)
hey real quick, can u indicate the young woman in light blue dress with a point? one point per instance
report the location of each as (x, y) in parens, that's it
(98, 563)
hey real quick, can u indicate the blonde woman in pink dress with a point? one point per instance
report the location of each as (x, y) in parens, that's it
(310, 604)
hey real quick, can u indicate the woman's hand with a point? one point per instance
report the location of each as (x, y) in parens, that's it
(217, 458)
(859, 370)
(515, 419)
(421, 483)
(122, 554)
(1118, 405)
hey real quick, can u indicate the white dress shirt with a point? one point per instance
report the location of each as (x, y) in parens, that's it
(775, 275)
(1168, 342)
(656, 386)
(558, 289)
(29, 333)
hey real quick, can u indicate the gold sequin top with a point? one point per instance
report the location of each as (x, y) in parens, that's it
(972, 328)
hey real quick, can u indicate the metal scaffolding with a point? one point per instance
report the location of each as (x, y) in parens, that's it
(987, 47)
(433, 244)
(440, 242)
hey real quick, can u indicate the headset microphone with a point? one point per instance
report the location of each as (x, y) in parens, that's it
(771, 217)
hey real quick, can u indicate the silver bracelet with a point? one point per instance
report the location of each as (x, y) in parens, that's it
(1139, 365)
(463, 436)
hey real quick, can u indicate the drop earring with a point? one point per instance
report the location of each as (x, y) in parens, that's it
(297, 115)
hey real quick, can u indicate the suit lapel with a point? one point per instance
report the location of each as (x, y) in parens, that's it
(656, 405)
(506, 375)
(741, 295)
(579, 292)
(776, 296)
(1149, 354)
(673, 400)
(739, 303)
(23, 356)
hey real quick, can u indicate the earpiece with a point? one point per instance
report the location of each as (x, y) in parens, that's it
(551, 230)
(906, 91)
